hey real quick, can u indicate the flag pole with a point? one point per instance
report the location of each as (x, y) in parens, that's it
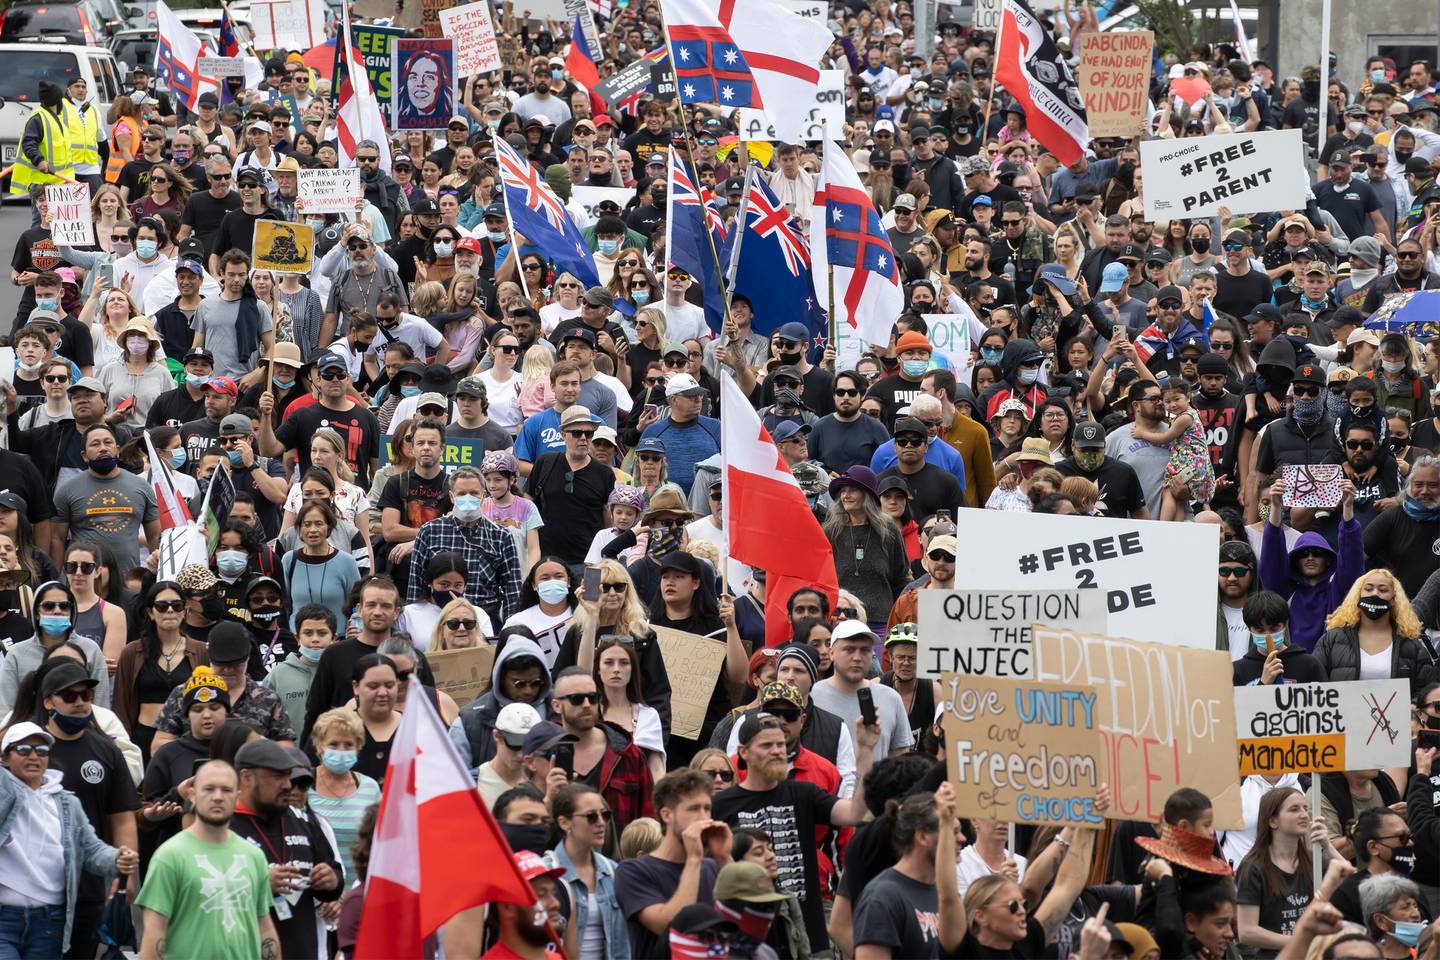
(829, 265)
(515, 244)
(740, 227)
(349, 71)
(994, 62)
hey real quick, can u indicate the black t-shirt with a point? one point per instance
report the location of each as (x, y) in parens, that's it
(1280, 907)
(1237, 296)
(643, 144)
(198, 436)
(893, 392)
(418, 500)
(75, 343)
(296, 839)
(787, 813)
(645, 218)
(174, 408)
(1351, 207)
(642, 882)
(572, 503)
(1120, 492)
(900, 913)
(136, 176)
(492, 436)
(94, 770)
(237, 231)
(34, 252)
(817, 394)
(563, 329)
(1223, 420)
(203, 213)
(358, 427)
(24, 477)
(934, 488)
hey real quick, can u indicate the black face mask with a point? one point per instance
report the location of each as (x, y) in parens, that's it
(534, 837)
(1200, 244)
(213, 608)
(266, 616)
(1402, 156)
(791, 357)
(1374, 607)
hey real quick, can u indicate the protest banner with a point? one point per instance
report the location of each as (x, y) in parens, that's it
(217, 67)
(282, 247)
(288, 25)
(987, 16)
(693, 663)
(1023, 752)
(950, 336)
(469, 27)
(581, 9)
(809, 9)
(328, 191)
(1115, 71)
(1246, 172)
(827, 111)
(1311, 485)
(463, 673)
(625, 83)
(70, 221)
(1150, 573)
(1322, 727)
(987, 632)
(459, 452)
(423, 71)
(1166, 715)
(430, 17)
(591, 197)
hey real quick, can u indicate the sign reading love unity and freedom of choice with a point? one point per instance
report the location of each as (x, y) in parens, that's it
(1323, 727)
(693, 662)
(470, 27)
(1246, 172)
(1151, 574)
(70, 220)
(1115, 71)
(987, 632)
(328, 191)
(1023, 752)
(1166, 715)
(218, 67)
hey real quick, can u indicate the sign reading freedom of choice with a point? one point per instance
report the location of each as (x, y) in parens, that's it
(1246, 172)
(1023, 752)
(1323, 727)
(1148, 574)
(987, 632)
(1166, 716)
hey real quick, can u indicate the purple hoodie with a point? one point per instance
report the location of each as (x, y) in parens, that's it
(1310, 605)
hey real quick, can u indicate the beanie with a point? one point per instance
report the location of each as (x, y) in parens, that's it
(1211, 363)
(204, 686)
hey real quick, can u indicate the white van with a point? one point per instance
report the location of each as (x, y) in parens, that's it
(26, 64)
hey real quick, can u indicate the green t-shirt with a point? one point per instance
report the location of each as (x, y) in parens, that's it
(213, 895)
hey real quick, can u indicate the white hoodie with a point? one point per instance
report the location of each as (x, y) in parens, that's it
(28, 877)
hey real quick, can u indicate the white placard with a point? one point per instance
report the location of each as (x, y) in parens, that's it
(809, 9)
(987, 16)
(288, 25)
(217, 67)
(1322, 727)
(1155, 576)
(70, 222)
(469, 25)
(829, 110)
(592, 197)
(1246, 172)
(328, 191)
(950, 336)
(987, 632)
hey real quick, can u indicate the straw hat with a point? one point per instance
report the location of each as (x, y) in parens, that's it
(1193, 851)
(1035, 450)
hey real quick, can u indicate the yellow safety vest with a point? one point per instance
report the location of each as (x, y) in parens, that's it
(54, 147)
(83, 131)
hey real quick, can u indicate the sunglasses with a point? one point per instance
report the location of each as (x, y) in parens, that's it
(159, 179)
(724, 776)
(579, 699)
(1407, 255)
(580, 434)
(1359, 444)
(627, 263)
(358, 245)
(594, 817)
(150, 136)
(1220, 346)
(846, 392)
(87, 694)
(533, 266)
(1168, 304)
(787, 714)
(333, 375)
(669, 523)
(612, 586)
(55, 606)
(168, 606)
(375, 159)
(654, 382)
(1305, 393)
(25, 749)
(80, 566)
(676, 364)
(59, 379)
(910, 440)
(566, 286)
(460, 623)
(1234, 247)
(1228, 572)
(940, 556)
(1010, 223)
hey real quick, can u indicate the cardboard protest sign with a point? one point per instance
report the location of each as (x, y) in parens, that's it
(828, 111)
(950, 336)
(1312, 485)
(328, 191)
(987, 16)
(459, 452)
(373, 45)
(470, 28)
(70, 222)
(430, 17)
(423, 71)
(217, 67)
(1246, 172)
(282, 247)
(591, 197)
(1323, 727)
(987, 632)
(1150, 573)
(465, 673)
(288, 24)
(1115, 71)
(694, 664)
(1023, 752)
(580, 9)
(1166, 715)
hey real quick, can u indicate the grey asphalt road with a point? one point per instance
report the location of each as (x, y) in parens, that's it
(14, 220)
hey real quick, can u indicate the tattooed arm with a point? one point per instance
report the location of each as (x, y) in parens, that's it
(269, 939)
(152, 945)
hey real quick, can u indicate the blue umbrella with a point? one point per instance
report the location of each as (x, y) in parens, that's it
(1414, 314)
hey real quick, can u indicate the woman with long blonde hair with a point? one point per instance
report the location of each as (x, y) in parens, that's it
(536, 394)
(1374, 635)
(429, 297)
(107, 209)
(459, 627)
(461, 321)
(107, 311)
(327, 452)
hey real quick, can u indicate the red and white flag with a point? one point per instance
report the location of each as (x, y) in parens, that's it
(437, 850)
(359, 115)
(767, 519)
(173, 511)
(1031, 68)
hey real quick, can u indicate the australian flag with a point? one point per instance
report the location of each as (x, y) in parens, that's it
(774, 267)
(691, 215)
(537, 212)
(710, 68)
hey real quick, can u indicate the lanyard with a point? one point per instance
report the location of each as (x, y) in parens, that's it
(283, 854)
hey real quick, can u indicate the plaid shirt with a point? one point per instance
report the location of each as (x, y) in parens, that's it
(257, 706)
(492, 566)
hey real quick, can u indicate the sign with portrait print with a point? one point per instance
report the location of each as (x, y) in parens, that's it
(423, 74)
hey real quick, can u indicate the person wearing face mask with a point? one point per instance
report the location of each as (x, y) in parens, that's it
(340, 795)
(53, 621)
(263, 600)
(1311, 575)
(1376, 836)
(1120, 492)
(1271, 656)
(130, 501)
(1374, 634)
(1393, 915)
(141, 376)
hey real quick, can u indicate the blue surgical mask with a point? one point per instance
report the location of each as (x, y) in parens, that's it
(1406, 932)
(315, 223)
(1278, 639)
(312, 654)
(339, 761)
(196, 381)
(54, 626)
(237, 459)
(557, 74)
(146, 249)
(468, 507)
(1029, 376)
(231, 562)
(553, 591)
(178, 458)
(410, 391)
(496, 236)
(282, 384)
(992, 354)
(608, 247)
(1378, 76)
(914, 368)
(640, 297)
(46, 303)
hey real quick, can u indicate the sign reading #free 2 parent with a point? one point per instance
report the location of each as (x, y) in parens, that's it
(1244, 172)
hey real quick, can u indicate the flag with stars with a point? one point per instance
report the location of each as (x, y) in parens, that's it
(846, 235)
(538, 214)
(747, 53)
(690, 216)
(772, 267)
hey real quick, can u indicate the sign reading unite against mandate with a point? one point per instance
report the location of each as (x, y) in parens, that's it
(987, 632)
(1166, 717)
(1114, 79)
(1023, 752)
(1246, 172)
(1149, 572)
(1323, 727)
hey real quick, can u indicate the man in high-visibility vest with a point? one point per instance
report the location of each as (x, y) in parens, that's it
(44, 156)
(82, 129)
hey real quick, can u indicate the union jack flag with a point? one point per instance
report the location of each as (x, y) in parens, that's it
(538, 213)
(1150, 341)
(711, 68)
(684, 191)
(691, 215)
(770, 218)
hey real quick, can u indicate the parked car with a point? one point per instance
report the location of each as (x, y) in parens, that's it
(26, 64)
(133, 48)
(80, 23)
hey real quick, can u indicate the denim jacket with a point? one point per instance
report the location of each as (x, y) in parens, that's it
(612, 918)
(83, 849)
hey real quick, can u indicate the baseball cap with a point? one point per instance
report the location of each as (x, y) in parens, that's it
(468, 244)
(229, 643)
(67, 673)
(776, 691)
(794, 331)
(532, 867)
(945, 542)
(604, 434)
(264, 755)
(200, 353)
(236, 425)
(431, 400)
(680, 385)
(1308, 373)
(1113, 278)
(789, 430)
(747, 881)
(88, 383)
(583, 334)
(650, 445)
(470, 387)
(224, 385)
(850, 630)
(514, 721)
(542, 737)
(682, 562)
(249, 174)
(13, 500)
(911, 425)
(23, 731)
(1169, 292)
(331, 361)
(184, 263)
(1088, 436)
(906, 201)
(599, 297)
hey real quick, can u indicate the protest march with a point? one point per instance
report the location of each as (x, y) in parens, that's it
(640, 479)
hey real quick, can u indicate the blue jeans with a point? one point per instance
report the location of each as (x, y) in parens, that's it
(31, 932)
